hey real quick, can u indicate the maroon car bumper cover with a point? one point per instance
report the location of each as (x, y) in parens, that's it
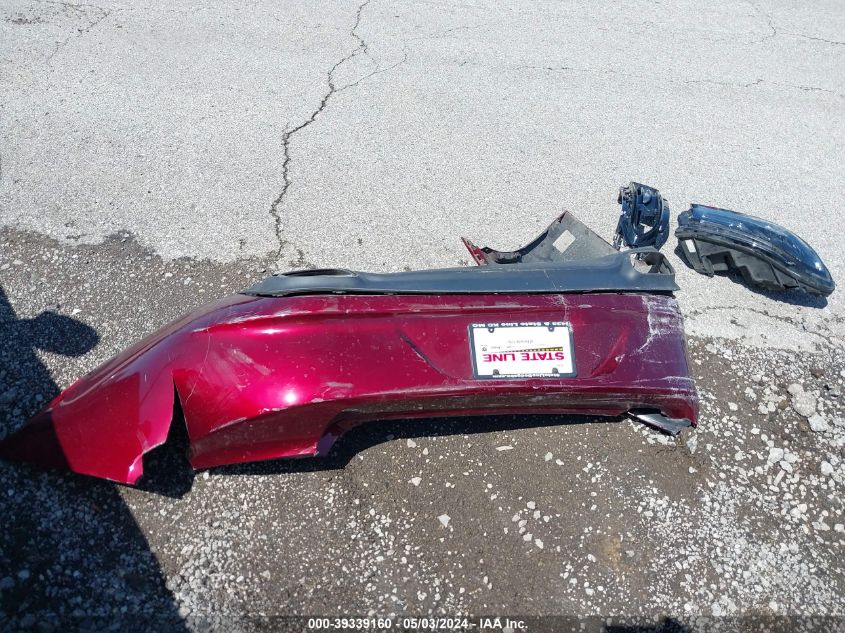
(262, 377)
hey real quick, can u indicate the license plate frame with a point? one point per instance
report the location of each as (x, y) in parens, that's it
(522, 350)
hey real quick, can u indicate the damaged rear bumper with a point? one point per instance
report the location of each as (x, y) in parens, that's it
(287, 367)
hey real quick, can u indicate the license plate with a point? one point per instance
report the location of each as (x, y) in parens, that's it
(522, 350)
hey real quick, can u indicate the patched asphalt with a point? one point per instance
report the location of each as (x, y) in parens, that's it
(527, 515)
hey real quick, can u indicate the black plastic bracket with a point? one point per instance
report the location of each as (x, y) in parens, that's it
(565, 258)
(644, 219)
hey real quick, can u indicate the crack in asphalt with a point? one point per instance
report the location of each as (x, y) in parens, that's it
(818, 39)
(770, 22)
(774, 30)
(104, 13)
(760, 82)
(730, 84)
(288, 133)
(361, 48)
(378, 71)
(447, 33)
(715, 82)
(72, 5)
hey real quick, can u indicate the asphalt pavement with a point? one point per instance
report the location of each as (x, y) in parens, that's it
(155, 157)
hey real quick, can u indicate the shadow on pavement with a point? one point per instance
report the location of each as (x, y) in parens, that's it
(665, 625)
(167, 471)
(792, 297)
(71, 554)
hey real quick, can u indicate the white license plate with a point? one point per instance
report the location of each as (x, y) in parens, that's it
(522, 350)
